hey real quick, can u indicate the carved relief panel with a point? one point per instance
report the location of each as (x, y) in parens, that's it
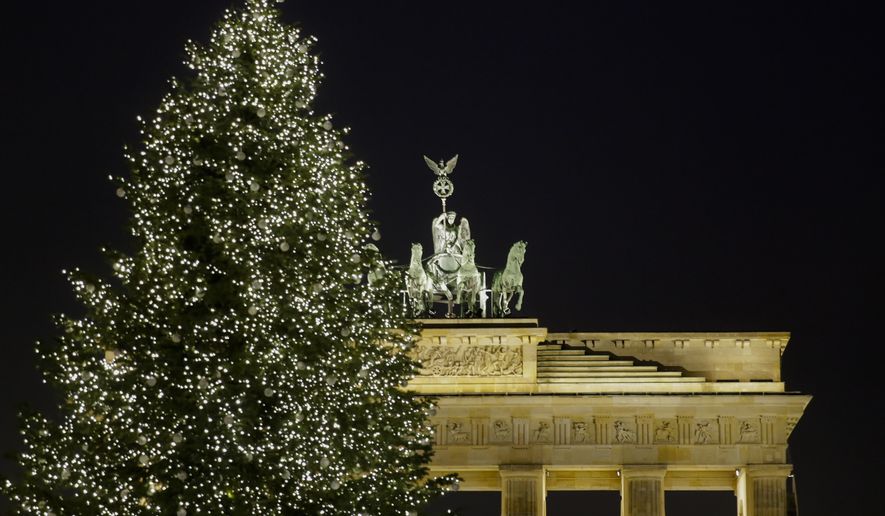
(748, 431)
(582, 431)
(470, 360)
(501, 431)
(541, 431)
(624, 431)
(458, 431)
(665, 431)
(705, 431)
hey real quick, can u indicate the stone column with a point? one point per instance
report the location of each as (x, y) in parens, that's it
(523, 491)
(642, 491)
(762, 490)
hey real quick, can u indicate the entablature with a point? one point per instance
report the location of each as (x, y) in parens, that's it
(570, 431)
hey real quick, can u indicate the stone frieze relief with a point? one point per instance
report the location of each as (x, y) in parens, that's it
(470, 360)
(579, 430)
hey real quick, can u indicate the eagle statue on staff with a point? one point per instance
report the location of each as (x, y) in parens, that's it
(443, 186)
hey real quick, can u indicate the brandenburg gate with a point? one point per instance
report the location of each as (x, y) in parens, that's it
(525, 411)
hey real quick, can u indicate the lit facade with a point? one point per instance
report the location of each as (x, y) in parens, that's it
(525, 411)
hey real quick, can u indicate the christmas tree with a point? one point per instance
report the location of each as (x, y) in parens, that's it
(250, 357)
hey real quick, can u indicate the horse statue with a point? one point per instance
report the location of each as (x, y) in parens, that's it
(377, 270)
(468, 280)
(508, 282)
(419, 286)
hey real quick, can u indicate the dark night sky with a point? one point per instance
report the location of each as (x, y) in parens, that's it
(686, 168)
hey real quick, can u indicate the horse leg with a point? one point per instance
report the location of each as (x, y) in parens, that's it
(424, 305)
(519, 301)
(417, 307)
(509, 296)
(427, 301)
(412, 300)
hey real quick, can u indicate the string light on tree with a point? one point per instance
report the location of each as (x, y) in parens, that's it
(240, 363)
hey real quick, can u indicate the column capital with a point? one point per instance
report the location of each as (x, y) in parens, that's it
(767, 470)
(520, 469)
(643, 471)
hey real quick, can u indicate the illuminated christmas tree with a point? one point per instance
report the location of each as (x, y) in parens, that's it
(250, 356)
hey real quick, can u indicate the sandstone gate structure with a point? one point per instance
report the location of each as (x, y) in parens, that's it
(524, 411)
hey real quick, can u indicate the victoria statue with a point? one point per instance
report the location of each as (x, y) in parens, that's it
(448, 245)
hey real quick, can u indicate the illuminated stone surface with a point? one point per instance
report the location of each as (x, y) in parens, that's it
(523, 411)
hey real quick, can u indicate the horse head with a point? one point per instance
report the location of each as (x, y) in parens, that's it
(517, 252)
(417, 252)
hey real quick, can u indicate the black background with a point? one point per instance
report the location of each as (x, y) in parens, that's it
(709, 167)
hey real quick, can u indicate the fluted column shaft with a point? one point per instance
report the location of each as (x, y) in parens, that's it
(523, 491)
(762, 490)
(642, 491)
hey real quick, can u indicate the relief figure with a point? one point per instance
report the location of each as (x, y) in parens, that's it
(623, 434)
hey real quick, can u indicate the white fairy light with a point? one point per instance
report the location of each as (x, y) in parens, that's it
(224, 367)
